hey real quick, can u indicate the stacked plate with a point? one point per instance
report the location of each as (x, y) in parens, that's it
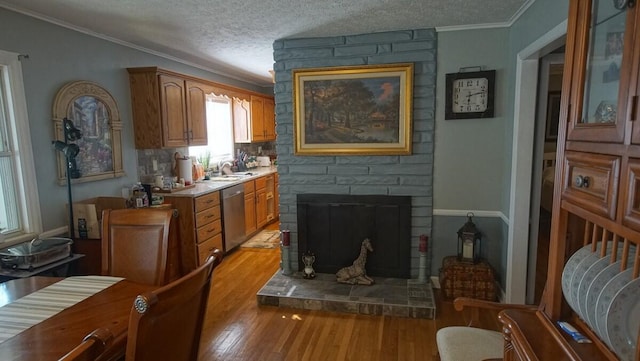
(607, 299)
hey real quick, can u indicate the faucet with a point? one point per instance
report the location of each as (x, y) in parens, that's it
(222, 164)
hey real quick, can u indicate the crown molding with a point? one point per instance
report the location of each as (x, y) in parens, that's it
(505, 24)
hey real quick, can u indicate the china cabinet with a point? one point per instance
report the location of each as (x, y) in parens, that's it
(596, 208)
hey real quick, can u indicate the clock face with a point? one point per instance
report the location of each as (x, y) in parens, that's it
(470, 95)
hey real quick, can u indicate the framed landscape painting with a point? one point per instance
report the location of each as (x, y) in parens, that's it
(362, 110)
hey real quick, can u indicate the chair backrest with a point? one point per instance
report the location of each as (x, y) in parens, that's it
(135, 244)
(166, 324)
(92, 346)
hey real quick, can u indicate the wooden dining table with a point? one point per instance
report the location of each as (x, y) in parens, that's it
(53, 337)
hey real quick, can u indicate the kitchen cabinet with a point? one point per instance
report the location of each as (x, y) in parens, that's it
(200, 226)
(261, 202)
(250, 223)
(169, 110)
(241, 120)
(197, 112)
(269, 119)
(271, 206)
(254, 119)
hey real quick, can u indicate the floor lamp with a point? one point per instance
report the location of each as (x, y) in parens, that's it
(70, 151)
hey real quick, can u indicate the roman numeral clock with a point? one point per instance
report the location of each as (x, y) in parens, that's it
(470, 95)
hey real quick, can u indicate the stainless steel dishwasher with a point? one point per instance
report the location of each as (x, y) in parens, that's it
(233, 216)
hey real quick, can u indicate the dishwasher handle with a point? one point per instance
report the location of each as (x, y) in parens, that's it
(232, 191)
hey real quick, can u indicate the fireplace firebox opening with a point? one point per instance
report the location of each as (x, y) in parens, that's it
(333, 227)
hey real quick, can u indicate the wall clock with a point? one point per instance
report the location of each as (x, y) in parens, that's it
(470, 95)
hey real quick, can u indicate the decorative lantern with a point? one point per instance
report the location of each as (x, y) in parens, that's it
(469, 242)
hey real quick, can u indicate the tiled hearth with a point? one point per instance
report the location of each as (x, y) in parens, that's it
(388, 296)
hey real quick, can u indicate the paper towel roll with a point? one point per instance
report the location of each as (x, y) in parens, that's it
(185, 171)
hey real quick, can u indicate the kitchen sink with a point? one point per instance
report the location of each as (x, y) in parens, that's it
(225, 178)
(230, 177)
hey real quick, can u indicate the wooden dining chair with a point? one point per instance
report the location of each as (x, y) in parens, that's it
(135, 244)
(166, 324)
(92, 346)
(473, 342)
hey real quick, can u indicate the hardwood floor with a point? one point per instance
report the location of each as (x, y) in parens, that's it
(237, 328)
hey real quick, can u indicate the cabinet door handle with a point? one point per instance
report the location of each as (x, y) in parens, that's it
(582, 181)
(634, 107)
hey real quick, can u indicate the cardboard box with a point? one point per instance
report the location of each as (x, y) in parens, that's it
(90, 210)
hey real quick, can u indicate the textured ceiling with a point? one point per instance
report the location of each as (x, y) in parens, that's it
(235, 37)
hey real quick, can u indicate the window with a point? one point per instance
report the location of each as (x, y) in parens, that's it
(19, 203)
(219, 131)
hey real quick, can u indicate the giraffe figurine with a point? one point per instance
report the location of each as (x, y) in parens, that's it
(356, 273)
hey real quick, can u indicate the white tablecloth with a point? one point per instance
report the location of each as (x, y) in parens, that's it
(36, 307)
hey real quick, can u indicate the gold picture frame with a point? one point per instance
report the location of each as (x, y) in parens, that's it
(360, 110)
(94, 112)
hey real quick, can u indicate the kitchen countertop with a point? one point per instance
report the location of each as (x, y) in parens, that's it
(207, 186)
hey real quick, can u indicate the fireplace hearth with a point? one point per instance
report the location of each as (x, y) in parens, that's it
(333, 227)
(386, 297)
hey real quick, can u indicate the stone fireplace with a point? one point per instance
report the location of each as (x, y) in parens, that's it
(379, 174)
(333, 226)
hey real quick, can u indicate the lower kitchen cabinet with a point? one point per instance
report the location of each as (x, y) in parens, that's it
(200, 226)
(271, 205)
(205, 248)
(250, 225)
(261, 202)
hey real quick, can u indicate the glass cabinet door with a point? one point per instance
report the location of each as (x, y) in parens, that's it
(601, 79)
(633, 104)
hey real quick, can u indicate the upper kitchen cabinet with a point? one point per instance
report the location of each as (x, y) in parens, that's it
(241, 120)
(254, 119)
(168, 109)
(269, 119)
(603, 62)
(197, 111)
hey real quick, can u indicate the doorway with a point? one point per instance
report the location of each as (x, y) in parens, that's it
(525, 110)
(543, 170)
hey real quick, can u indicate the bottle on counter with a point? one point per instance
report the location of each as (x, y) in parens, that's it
(139, 197)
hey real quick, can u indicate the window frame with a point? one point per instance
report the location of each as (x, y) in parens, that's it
(19, 135)
(218, 158)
